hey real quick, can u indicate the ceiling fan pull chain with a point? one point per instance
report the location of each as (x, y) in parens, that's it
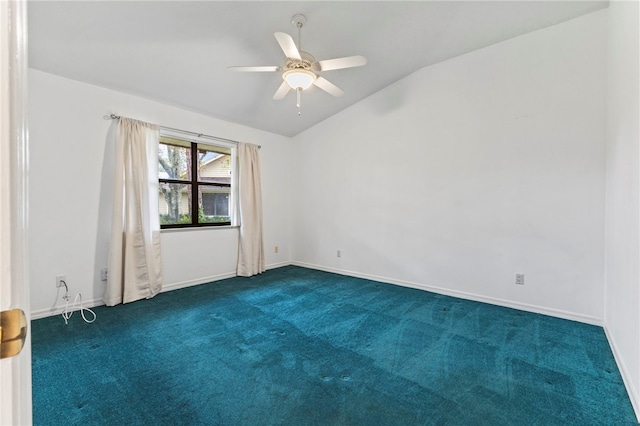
(298, 90)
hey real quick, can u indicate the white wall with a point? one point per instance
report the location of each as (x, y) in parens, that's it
(70, 185)
(622, 288)
(467, 172)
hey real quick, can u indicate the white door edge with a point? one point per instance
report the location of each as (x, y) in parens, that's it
(15, 372)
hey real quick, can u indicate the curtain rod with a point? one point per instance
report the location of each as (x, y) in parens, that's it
(200, 135)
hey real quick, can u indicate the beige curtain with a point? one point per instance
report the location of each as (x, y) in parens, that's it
(251, 247)
(135, 270)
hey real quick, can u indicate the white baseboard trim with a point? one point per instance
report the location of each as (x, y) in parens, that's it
(197, 281)
(634, 396)
(278, 265)
(59, 309)
(462, 295)
(190, 283)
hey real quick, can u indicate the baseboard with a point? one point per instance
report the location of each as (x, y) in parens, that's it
(197, 281)
(278, 265)
(634, 396)
(463, 295)
(59, 309)
(190, 283)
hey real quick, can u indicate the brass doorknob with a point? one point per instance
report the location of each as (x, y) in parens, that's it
(13, 332)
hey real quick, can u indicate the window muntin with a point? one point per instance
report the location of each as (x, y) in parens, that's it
(186, 168)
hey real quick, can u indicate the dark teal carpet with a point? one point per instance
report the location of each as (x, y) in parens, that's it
(301, 347)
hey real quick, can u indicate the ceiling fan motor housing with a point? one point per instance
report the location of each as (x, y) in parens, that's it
(308, 62)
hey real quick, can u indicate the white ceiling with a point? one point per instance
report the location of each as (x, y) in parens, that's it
(177, 52)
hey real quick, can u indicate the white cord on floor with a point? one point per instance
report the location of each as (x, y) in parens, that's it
(67, 314)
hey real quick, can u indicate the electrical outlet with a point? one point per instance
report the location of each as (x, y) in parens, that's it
(520, 279)
(60, 281)
(338, 253)
(275, 249)
(104, 274)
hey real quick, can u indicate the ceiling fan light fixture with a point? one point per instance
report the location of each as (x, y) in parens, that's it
(299, 78)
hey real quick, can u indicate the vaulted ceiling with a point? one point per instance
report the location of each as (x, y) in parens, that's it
(177, 52)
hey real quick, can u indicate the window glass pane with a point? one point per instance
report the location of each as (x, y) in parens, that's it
(174, 162)
(214, 165)
(174, 203)
(214, 204)
(183, 165)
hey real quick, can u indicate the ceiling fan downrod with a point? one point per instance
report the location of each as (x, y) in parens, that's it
(298, 20)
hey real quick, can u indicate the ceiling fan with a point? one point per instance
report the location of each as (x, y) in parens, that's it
(301, 70)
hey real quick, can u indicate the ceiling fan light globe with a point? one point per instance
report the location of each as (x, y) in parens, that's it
(299, 79)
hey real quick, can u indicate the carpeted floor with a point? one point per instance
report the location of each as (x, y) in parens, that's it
(295, 346)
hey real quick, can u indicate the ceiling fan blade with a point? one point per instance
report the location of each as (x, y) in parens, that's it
(267, 68)
(328, 87)
(288, 45)
(339, 63)
(282, 91)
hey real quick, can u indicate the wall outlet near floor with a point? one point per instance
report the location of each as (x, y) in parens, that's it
(339, 253)
(275, 249)
(520, 279)
(104, 274)
(60, 281)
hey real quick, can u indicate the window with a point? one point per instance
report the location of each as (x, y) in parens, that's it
(188, 167)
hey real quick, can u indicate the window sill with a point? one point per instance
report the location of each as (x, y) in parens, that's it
(198, 228)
